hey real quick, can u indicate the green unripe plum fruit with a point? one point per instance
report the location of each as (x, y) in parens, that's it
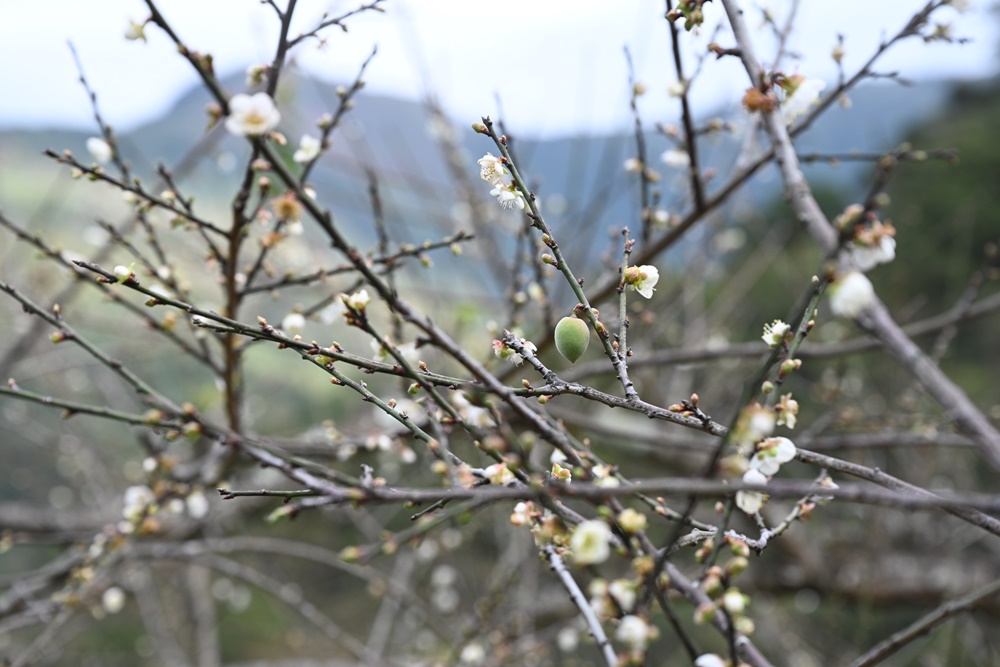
(572, 338)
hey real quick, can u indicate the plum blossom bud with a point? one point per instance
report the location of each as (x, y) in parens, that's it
(631, 520)
(734, 601)
(122, 273)
(357, 301)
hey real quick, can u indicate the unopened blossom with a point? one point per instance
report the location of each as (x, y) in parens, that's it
(308, 149)
(634, 632)
(631, 520)
(508, 196)
(122, 273)
(803, 94)
(676, 89)
(751, 501)
(642, 279)
(771, 453)
(851, 294)
(734, 601)
(357, 301)
(499, 474)
(775, 332)
(676, 157)
(99, 149)
(491, 169)
(252, 115)
(590, 542)
(293, 323)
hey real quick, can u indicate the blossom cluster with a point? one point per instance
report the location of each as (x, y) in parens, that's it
(493, 171)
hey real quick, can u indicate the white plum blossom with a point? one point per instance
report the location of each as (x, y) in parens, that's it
(642, 279)
(196, 504)
(676, 89)
(475, 415)
(499, 474)
(472, 654)
(508, 196)
(135, 31)
(491, 169)
(255, 75)
(308, 150)
(293, 323)
(503, 351)
(568, 639)
(676, 157)
(633, 165)
(522, 513)
(252, 115)
(751, 501)
(775, 332)
(805, 94)
(99, 149)
(867, 257)
(113, 600)
(734, 601)
(788, 411)
(624, 593)
(709, 660)
(137, 499)
(851, 294)
(633, 632)
(357, 301)
(590, 542)
(771, 453)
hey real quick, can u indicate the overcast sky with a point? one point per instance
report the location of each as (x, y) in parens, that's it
(557, 65)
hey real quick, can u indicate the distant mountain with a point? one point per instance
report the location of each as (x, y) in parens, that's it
(580, 179)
